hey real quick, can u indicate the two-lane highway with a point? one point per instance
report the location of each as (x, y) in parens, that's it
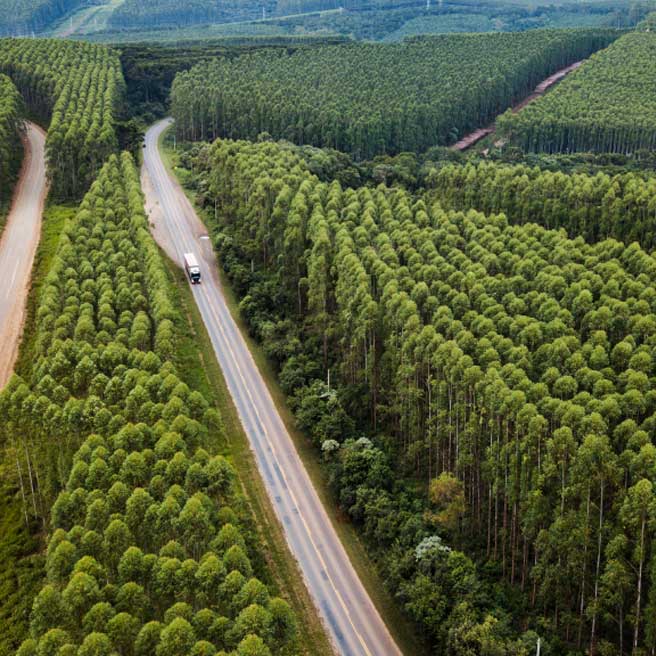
(18, 246)
(349, 615)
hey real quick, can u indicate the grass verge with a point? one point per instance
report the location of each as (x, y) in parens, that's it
(402, 630)
(201, 371)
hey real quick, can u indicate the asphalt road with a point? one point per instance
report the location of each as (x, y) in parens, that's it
(349, 615)
(18, 245)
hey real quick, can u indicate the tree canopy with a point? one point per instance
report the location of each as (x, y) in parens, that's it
(145, 555)
(10, 110)
(596, 207)
(508, 366)
(371, 98)
(607, 105)
(76, 88)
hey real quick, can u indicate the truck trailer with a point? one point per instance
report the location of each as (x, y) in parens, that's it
(192, 268)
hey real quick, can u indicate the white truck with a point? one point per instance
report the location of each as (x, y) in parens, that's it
(192, 268)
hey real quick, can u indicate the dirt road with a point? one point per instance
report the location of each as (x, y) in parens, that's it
(349, 615)
(18, 246)
(475, 136)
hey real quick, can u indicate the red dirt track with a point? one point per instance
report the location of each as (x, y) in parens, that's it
(18, 247)
(475, 136)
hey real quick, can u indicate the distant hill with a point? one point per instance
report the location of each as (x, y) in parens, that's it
(25, 17)
(165, 13)
(371, 20)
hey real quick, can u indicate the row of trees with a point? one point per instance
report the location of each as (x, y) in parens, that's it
(10, 110)
(27, 17)
(147, 556)
(511, 368)
(371, 98)
(77, 88)
(597, 207)
(607, 105)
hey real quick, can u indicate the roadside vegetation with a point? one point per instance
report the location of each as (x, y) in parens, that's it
(196, 360)
(10, 146)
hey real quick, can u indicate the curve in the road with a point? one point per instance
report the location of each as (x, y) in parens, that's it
(349, 615)
(18, 243)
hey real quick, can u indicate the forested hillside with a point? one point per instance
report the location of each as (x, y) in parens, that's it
(596, 207)
(504, 376)
(395, 21)
(10, 150)
(161, 13)
(150, 69)
(371, 20)
(146, 555)
(608, 105)
(164, 13)
(26, 17)
(76, 90)
(368, 99)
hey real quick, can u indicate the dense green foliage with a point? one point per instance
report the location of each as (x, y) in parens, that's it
(649, 22)
(511, 368)
(149, 69)
(151, 13)
(78, 89)
(608, 105)
(20, 569)
(598, 207)
(369, 98)
(10, 151)
(25, 17)
(146, 555)
(21, 537)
